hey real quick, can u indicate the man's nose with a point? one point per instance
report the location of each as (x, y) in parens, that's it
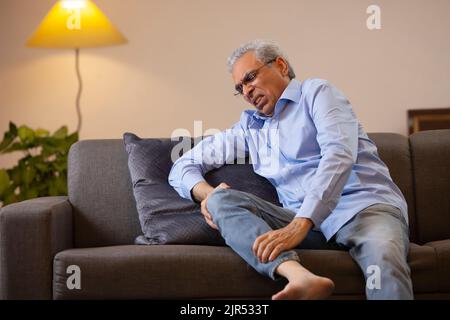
(247, 90)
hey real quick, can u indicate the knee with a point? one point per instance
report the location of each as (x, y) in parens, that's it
(386, 252)
(217, 199)
(226, 200)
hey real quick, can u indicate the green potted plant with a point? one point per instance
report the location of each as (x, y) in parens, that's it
(42, 171)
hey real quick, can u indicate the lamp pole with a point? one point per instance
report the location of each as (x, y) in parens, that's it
(80, 87)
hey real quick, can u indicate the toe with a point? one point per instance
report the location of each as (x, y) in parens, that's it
(280, 295)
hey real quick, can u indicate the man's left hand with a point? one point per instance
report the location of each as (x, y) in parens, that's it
(269, 245)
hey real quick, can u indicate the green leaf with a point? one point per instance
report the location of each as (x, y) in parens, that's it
(42, 189)
(42, 166)
(23, 162)
(42, 132)
(16, 175)
(61, 133)
(28, 175)
(48, 150)
(12, 128)
(72, 138)
(31, 193)
(26, 134)
(10, 198)
(4, 180)
(52, 190)
(16, 146)
(8, 137)
(61, 185)
(61, 147)
(60, 165)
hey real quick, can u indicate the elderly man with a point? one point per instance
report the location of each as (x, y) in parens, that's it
(306, 140)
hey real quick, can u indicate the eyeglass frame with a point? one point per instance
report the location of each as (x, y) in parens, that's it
(246, 80)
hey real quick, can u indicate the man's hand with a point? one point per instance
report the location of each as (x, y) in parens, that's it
(205, 211)
(269, 245)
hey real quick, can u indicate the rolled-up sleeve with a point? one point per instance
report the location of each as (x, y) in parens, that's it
(210, 153)
(337, 136)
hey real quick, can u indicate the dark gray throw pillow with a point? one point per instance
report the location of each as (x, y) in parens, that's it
(167, 218)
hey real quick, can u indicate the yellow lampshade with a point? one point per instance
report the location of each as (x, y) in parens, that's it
(75, 24)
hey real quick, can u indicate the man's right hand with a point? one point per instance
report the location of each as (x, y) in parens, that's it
(203, 208)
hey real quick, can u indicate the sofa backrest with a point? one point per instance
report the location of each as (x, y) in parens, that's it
(430, 152)
(394, 151)
(101, 194)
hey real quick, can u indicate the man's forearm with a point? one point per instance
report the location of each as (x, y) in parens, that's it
(201, 190)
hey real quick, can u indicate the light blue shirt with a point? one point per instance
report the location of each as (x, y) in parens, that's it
(313, 150)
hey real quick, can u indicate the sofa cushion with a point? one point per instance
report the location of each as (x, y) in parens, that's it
(165, 217)
(442, 249)
(101, 195)
(430, 152)
(423, 263)
(159, 272)
(186, 271)
(394, 151)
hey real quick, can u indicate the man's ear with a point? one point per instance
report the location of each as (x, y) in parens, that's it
(282, 66)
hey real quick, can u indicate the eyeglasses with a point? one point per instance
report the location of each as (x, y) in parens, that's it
(249, 77)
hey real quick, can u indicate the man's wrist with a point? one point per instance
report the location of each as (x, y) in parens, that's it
(193, 197)
(303, 222)
(200, 191)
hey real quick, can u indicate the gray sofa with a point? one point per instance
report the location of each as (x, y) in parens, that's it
(95, 227)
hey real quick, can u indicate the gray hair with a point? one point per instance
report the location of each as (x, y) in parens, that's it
(265, 51)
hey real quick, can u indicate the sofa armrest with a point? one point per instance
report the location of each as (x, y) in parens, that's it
(31, 233)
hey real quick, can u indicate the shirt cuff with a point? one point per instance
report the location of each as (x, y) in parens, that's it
(189, 181)
(313, 209)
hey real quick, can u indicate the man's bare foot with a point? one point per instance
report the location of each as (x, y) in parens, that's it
(306, 287)
(302, 284)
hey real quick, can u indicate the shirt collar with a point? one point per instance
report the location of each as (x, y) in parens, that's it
(291, 93)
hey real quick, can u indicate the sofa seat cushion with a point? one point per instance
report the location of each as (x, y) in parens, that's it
(158, 272)
(348, 278)
(188, 271)
(423, 263)
(442, 249)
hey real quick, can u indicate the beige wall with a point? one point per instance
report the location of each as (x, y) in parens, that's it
(173, 71)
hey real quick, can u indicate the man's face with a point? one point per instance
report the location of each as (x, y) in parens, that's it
(264, 90)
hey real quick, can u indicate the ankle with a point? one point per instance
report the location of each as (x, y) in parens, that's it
(291, 270)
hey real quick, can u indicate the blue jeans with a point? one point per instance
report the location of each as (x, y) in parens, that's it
(377, 236)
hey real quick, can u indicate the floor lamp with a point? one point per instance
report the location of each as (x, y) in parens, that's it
(75, 24)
